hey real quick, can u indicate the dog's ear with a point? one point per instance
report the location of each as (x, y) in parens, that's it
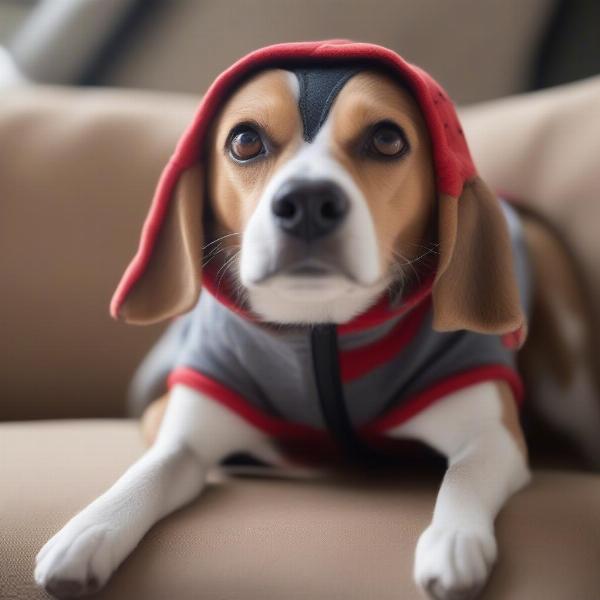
(475, 286)
(169, 282)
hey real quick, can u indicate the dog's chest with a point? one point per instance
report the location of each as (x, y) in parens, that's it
(285, 372)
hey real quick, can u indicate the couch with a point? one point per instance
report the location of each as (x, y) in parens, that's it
(77, 169)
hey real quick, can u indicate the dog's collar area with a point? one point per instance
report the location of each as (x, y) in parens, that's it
(348, 443)
(318, 89)
(223, 290)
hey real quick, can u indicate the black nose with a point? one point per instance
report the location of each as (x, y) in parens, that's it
(309, 209)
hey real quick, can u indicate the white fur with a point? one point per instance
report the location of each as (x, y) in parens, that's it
(340, 300)
(196, 434)
(456, 552)
(334, 299)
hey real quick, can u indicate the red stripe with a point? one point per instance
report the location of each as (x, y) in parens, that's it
(286, 430)
(357, 362)
(515, 339)
(382, 311)
(423, 400)
(238, 404)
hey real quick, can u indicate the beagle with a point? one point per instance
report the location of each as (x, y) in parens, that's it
(361, 285)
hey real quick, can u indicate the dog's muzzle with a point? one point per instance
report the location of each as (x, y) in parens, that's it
(309, 209)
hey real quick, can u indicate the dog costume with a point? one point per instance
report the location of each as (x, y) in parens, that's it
(349, 383)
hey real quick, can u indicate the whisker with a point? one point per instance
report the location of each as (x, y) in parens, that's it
(224, 268)
(401, 262)
(220, 239)
(417, 258)
(430, 246)
(212, 256)
(241, 293)
(406, 262)
(215, 252)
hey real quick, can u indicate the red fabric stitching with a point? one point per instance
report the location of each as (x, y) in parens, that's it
(357, 362)
(422, 400)
(238, 404)
(395, 417)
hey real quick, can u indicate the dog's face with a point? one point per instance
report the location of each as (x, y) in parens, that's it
(325, 225)
(321, 194)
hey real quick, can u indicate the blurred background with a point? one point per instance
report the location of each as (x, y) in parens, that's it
(113, 84)
(478, 50)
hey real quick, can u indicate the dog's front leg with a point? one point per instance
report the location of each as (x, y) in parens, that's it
(196, 433)
(477, 430)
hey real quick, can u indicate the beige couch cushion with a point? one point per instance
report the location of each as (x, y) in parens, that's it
(77, 171)
(259, 539)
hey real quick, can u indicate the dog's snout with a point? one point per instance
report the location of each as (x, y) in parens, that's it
(309, 210)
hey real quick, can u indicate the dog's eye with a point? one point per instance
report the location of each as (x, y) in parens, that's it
(245, 143)
(388, 141)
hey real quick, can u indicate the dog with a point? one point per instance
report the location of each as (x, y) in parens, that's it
(361, 284)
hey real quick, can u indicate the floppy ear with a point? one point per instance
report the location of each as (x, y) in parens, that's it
(475, 287)
(170, 281)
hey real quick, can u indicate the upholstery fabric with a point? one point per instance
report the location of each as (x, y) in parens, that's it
(71, 161)
(347, 538)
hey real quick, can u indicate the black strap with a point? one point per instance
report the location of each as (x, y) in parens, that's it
(331, 394)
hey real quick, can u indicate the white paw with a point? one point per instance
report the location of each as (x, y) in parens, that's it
(454, 564)
(77, 561)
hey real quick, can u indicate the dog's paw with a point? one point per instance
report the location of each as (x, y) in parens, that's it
(454, 564)
(77, 561)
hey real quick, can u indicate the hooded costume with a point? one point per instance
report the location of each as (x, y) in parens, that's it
(348, 383)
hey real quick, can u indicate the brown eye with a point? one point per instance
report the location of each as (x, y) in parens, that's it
(388, 141)
(245, 144)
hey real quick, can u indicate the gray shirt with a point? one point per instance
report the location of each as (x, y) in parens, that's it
(389, 370)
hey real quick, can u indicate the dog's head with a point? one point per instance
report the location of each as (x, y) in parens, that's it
(314, 187)
(327, 174)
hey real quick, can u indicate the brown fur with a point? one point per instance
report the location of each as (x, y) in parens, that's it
(557, 295)
(235, 191)
(400, 194)
(152, 418)
(171, 282)
(559, 351)
(475, 286)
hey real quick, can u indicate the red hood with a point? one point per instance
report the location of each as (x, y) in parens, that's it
(451, 157)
